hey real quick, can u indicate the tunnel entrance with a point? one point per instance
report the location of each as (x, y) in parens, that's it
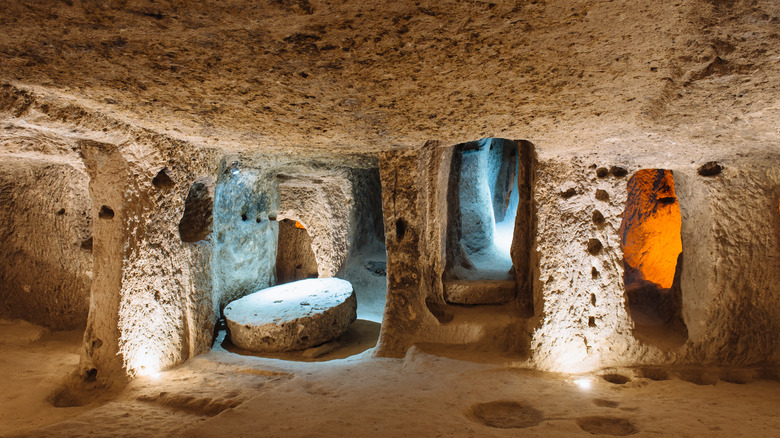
(480, 269)
(294, 256)
(652, 258)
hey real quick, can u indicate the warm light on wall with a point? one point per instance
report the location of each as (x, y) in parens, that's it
(299, 225)
(651, 226)
(144, 363)
(150, 338)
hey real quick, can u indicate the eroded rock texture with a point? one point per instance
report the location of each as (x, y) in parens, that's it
(245, 229)
(572, 284)
(292, 316)
(731, 280)
(420, 190)
(649, 231)
(173, 167)
(45, 241)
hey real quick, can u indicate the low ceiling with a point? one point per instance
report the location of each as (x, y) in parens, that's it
(375, 74)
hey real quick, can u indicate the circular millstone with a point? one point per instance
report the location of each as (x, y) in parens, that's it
(292, 316)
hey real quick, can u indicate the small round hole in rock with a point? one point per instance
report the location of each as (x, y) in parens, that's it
(710, 168)
(506, 415)
(618, 171)
(594, 246)
(738, 377)
(106, 213)
(606, 426)
(617, 379)
(400, 229)
(699, 376)
(87, 244)
(91, 375)
(163, 179)
(568, 193)
(656, 374)
(604, 403)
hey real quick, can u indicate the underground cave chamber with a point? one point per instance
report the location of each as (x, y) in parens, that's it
(234, 218)
(652, 258)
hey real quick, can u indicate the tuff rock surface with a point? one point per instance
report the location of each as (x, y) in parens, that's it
(292, 316)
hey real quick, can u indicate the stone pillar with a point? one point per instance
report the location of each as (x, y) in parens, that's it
(109, 175)
(152, 301)
(400, 176)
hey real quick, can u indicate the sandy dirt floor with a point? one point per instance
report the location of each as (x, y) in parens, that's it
(34, 362)
(229, 394)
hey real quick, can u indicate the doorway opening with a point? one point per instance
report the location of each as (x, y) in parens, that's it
(294, 256)
(652, 258)
(480, 268)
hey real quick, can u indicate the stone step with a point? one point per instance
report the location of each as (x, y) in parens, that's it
(487, 327)
(479, 291)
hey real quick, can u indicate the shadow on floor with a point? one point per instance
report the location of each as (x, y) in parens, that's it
(359, 337)
(471, 353)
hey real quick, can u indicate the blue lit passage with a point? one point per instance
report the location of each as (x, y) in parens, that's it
(488, 198)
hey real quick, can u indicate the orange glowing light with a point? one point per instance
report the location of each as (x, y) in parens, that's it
(651, 226)
(299, 225)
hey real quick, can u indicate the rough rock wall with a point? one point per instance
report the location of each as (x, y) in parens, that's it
(108, 178)
(582, 321)
(404, 192)
(245, 230)
(731, 302)
(149, 301)
(45, 242)
(153, 300)
(474, 188)
(729, 277)
(322, 201)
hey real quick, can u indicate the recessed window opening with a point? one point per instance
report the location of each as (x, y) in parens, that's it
(488, 196)
(652, 257)
(295, 258)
